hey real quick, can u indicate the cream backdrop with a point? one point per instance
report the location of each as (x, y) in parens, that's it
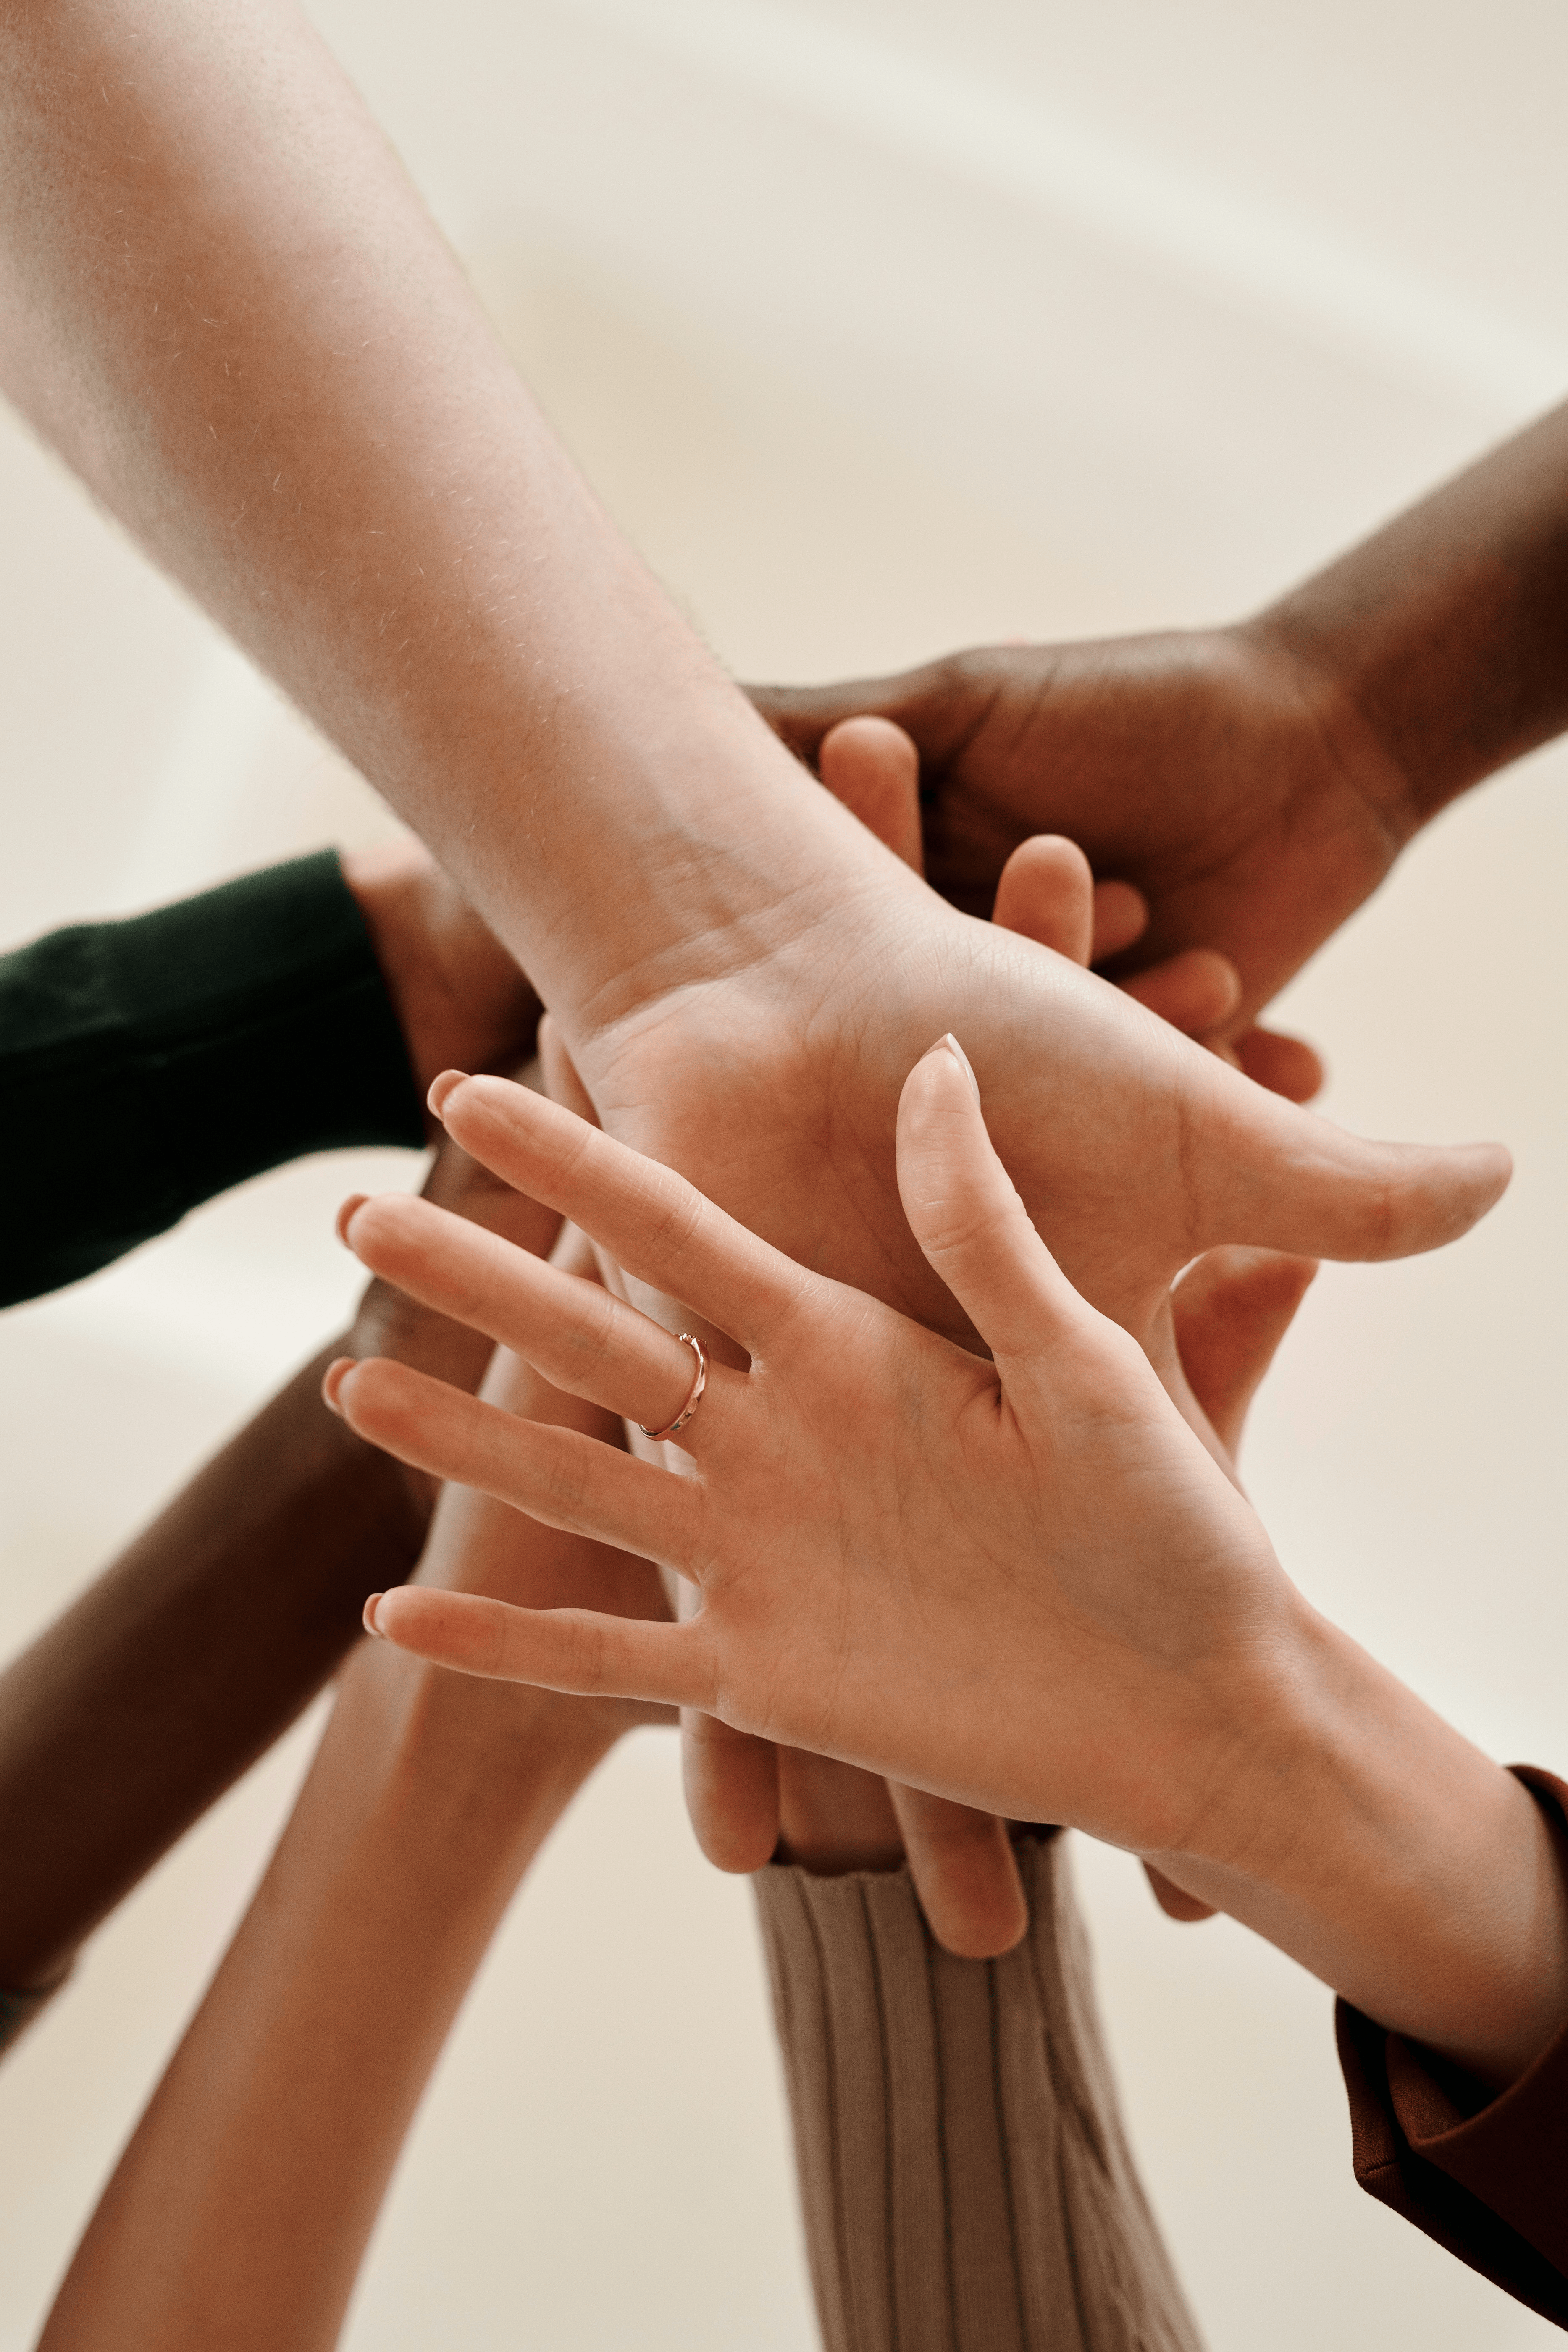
(882, 329)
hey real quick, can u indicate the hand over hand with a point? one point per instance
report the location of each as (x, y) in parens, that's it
(1023, 1584)
(1218, 774)
(832, 1817)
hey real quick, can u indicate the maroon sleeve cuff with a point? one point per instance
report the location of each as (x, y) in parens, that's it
(1491, 2186)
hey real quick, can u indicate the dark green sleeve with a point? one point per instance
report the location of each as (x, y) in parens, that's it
(145, 1066)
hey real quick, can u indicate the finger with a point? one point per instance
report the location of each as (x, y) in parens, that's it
(574, 1650)
(731, 1782)
(1173, 1900)
(874, 768)
(834, 1817)
(1194, 991)
(1280, 1178)
(1120, 917)
(964, 1873)
(1230, 1311)
(655, 1226)
(967, 1218)
(572, 1330)
(554, 1474)
(802, 716)
(1045, 893)
(1287, 1065)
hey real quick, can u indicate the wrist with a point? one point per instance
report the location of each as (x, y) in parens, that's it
(1370, 1841)
(1304, 675)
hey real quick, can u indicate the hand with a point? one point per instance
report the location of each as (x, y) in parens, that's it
(833, 1818)
(458, 995)
(1223, 776)
(1023, 1584)
(1046, 891)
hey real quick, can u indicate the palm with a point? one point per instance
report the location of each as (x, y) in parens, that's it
(818, 1645)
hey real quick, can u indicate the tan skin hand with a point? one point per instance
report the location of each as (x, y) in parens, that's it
(1021, 1581)
(832, 1817)
(457, 994)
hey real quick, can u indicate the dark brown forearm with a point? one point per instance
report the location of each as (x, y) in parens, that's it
(1448, 630)
(184, 1661)
(203, 1640)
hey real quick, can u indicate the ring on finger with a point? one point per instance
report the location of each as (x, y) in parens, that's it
(687, 1340)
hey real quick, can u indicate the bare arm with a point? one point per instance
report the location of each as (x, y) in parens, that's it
(240, 2209)
(191, 1654)
(1256, 781)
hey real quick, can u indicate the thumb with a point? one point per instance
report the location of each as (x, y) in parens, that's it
(1230, 1311)
(1284, 1178)
(968, 1219)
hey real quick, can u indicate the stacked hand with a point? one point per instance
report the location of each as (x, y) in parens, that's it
(832, 1817)
(1228, 779)
(1021, 1583)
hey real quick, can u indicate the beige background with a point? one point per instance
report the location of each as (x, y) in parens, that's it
(881, 328)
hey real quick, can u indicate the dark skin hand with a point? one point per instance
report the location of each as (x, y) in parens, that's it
(1255, 783)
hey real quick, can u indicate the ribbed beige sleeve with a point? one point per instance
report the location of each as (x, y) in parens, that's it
(966, 2183)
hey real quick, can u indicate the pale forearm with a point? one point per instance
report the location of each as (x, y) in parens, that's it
(228, 308)
(240, 2209)
(1380, 1849)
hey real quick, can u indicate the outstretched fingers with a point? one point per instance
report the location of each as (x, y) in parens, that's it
(574, 1650)
(557, 1475)
(573, 1331)
(659, 1228)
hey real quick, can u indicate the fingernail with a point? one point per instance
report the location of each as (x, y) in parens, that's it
(952, 1046)
(442, 1086)
(355, 1201)
(370, 1625)
(331, 1382)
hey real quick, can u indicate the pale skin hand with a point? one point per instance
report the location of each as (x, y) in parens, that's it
(1023, 1584)
(240, 2209)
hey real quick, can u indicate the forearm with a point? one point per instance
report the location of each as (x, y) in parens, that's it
(231, 313)
(133, 1713)
(1381, 1849)
(1448, 631)
(188, 1656)
(240, 2209)
(965, 2182)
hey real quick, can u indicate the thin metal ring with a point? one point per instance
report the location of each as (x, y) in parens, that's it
(687, 1340)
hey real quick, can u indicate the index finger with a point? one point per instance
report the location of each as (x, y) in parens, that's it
(659, 1228)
